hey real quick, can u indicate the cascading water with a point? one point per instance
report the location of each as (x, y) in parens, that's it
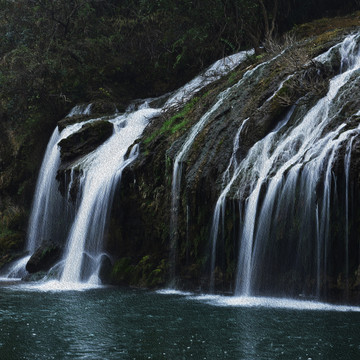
(283, 172)
(347, 185)
(176, 181)
(50, 212)
(102, 171)
(182, 154)
(227, 182)
(286, 180)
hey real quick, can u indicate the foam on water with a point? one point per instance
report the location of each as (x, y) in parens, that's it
(173, 292)
(259, 302)
(270, 302)
(56, 286)
(16, 270)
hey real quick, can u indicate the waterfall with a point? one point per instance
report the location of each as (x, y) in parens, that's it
(347, 185)
(48, 217)
(183, 152)
(82, 226)
(102, 171)
(38, 228)
(227, 182)
(284, 186)
(214, 72)
(283, 171)
(176, 179)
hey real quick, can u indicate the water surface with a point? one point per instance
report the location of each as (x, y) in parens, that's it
(113, 323)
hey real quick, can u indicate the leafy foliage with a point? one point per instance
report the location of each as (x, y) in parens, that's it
(55, 53)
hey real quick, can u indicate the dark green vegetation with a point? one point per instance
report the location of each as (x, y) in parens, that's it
(55, 54)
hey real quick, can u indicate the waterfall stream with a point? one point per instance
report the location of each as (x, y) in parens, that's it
(214, 72)
(183, 152)
(49, 212)
(227, 182)
(283, 171)
(102, 171)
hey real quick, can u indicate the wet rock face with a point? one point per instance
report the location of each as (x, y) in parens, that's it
(87, 139)
(104, 107)
(44, 257)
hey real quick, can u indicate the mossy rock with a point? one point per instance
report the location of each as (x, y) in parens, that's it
(121, 271)
(327, 27)
(44, 257)
(11, 241)
(145, 273)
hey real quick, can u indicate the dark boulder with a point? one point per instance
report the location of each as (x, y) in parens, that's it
(105, 269)
(44, 257)
(87, 139)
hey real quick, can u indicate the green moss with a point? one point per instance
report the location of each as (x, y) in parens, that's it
(179, 126)
(157, 276)
(172, 124)
(10, 241)
(122, 271)
(144, 273)
(232, 78)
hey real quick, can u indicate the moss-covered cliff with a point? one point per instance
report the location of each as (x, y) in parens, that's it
(140, 226)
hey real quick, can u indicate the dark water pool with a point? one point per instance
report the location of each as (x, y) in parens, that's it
(114, 323)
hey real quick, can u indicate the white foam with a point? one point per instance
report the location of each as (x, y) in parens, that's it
(57, 286)
(173, 292)
(270, 302)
